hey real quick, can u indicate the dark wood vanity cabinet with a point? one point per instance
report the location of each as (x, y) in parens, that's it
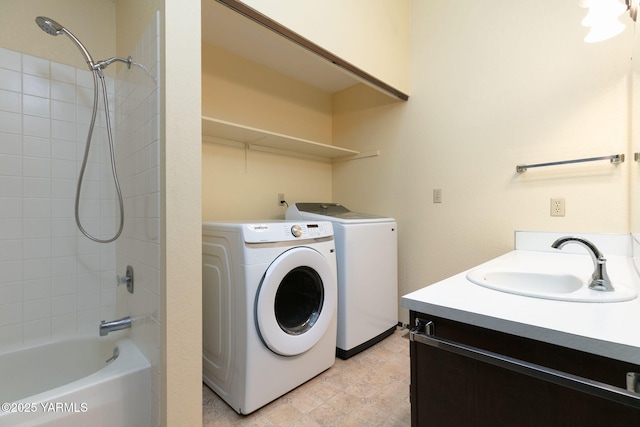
(452, 388)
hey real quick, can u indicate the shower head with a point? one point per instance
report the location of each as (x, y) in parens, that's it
(50, 26)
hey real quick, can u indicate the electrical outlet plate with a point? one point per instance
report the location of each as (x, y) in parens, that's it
(281, 199)
(557, 207)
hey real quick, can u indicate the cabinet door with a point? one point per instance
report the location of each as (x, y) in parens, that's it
(449, 389)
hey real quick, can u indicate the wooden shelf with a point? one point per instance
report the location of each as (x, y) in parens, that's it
(220, 129)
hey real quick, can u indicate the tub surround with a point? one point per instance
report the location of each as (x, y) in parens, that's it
(57, 283)
(599, 328)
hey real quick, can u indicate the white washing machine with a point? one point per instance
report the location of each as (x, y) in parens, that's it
(367, 260)
(269, 295)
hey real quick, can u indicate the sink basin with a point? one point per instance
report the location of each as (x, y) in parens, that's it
(555, 285)
(519, 281)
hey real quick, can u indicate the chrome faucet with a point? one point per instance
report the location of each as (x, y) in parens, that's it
(599, 279)
(115, 325)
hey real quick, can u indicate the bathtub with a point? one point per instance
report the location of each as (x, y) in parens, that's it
(75, 382)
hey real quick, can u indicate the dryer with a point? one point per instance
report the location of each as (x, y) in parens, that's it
(269, 294)
(367, 261)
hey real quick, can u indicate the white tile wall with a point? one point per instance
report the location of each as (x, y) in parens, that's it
(53, 282)
(137, 99)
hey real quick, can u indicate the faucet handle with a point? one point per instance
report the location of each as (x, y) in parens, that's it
(127, 279)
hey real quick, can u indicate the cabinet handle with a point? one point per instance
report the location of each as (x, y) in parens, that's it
(424, 333)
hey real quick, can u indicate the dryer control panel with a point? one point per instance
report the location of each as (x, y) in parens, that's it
(333, 212)
(285, 231)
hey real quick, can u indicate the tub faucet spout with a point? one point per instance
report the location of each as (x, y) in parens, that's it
(115, 325)
(599, 279)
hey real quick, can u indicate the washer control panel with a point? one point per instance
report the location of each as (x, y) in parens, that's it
(283, 231)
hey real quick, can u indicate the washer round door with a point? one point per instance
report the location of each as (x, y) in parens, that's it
(296, 301)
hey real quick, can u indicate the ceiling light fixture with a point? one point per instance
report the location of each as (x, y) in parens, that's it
(602, 18)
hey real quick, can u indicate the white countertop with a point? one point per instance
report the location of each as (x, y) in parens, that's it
(607, 329)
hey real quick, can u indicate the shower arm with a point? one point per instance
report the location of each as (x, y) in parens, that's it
(100, 65)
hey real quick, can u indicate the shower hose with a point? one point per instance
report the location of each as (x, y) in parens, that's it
(98, 74)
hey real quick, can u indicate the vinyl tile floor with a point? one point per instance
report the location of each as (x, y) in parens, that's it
(368, 389)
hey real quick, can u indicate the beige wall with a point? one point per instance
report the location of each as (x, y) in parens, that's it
(634, 189)
(181, 206)
(92, 22)
(236, 187)
(241, 91)
(239, 184)
(129, 15)
(494, 84)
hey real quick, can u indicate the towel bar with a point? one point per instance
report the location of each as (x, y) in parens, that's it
(614, 158)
